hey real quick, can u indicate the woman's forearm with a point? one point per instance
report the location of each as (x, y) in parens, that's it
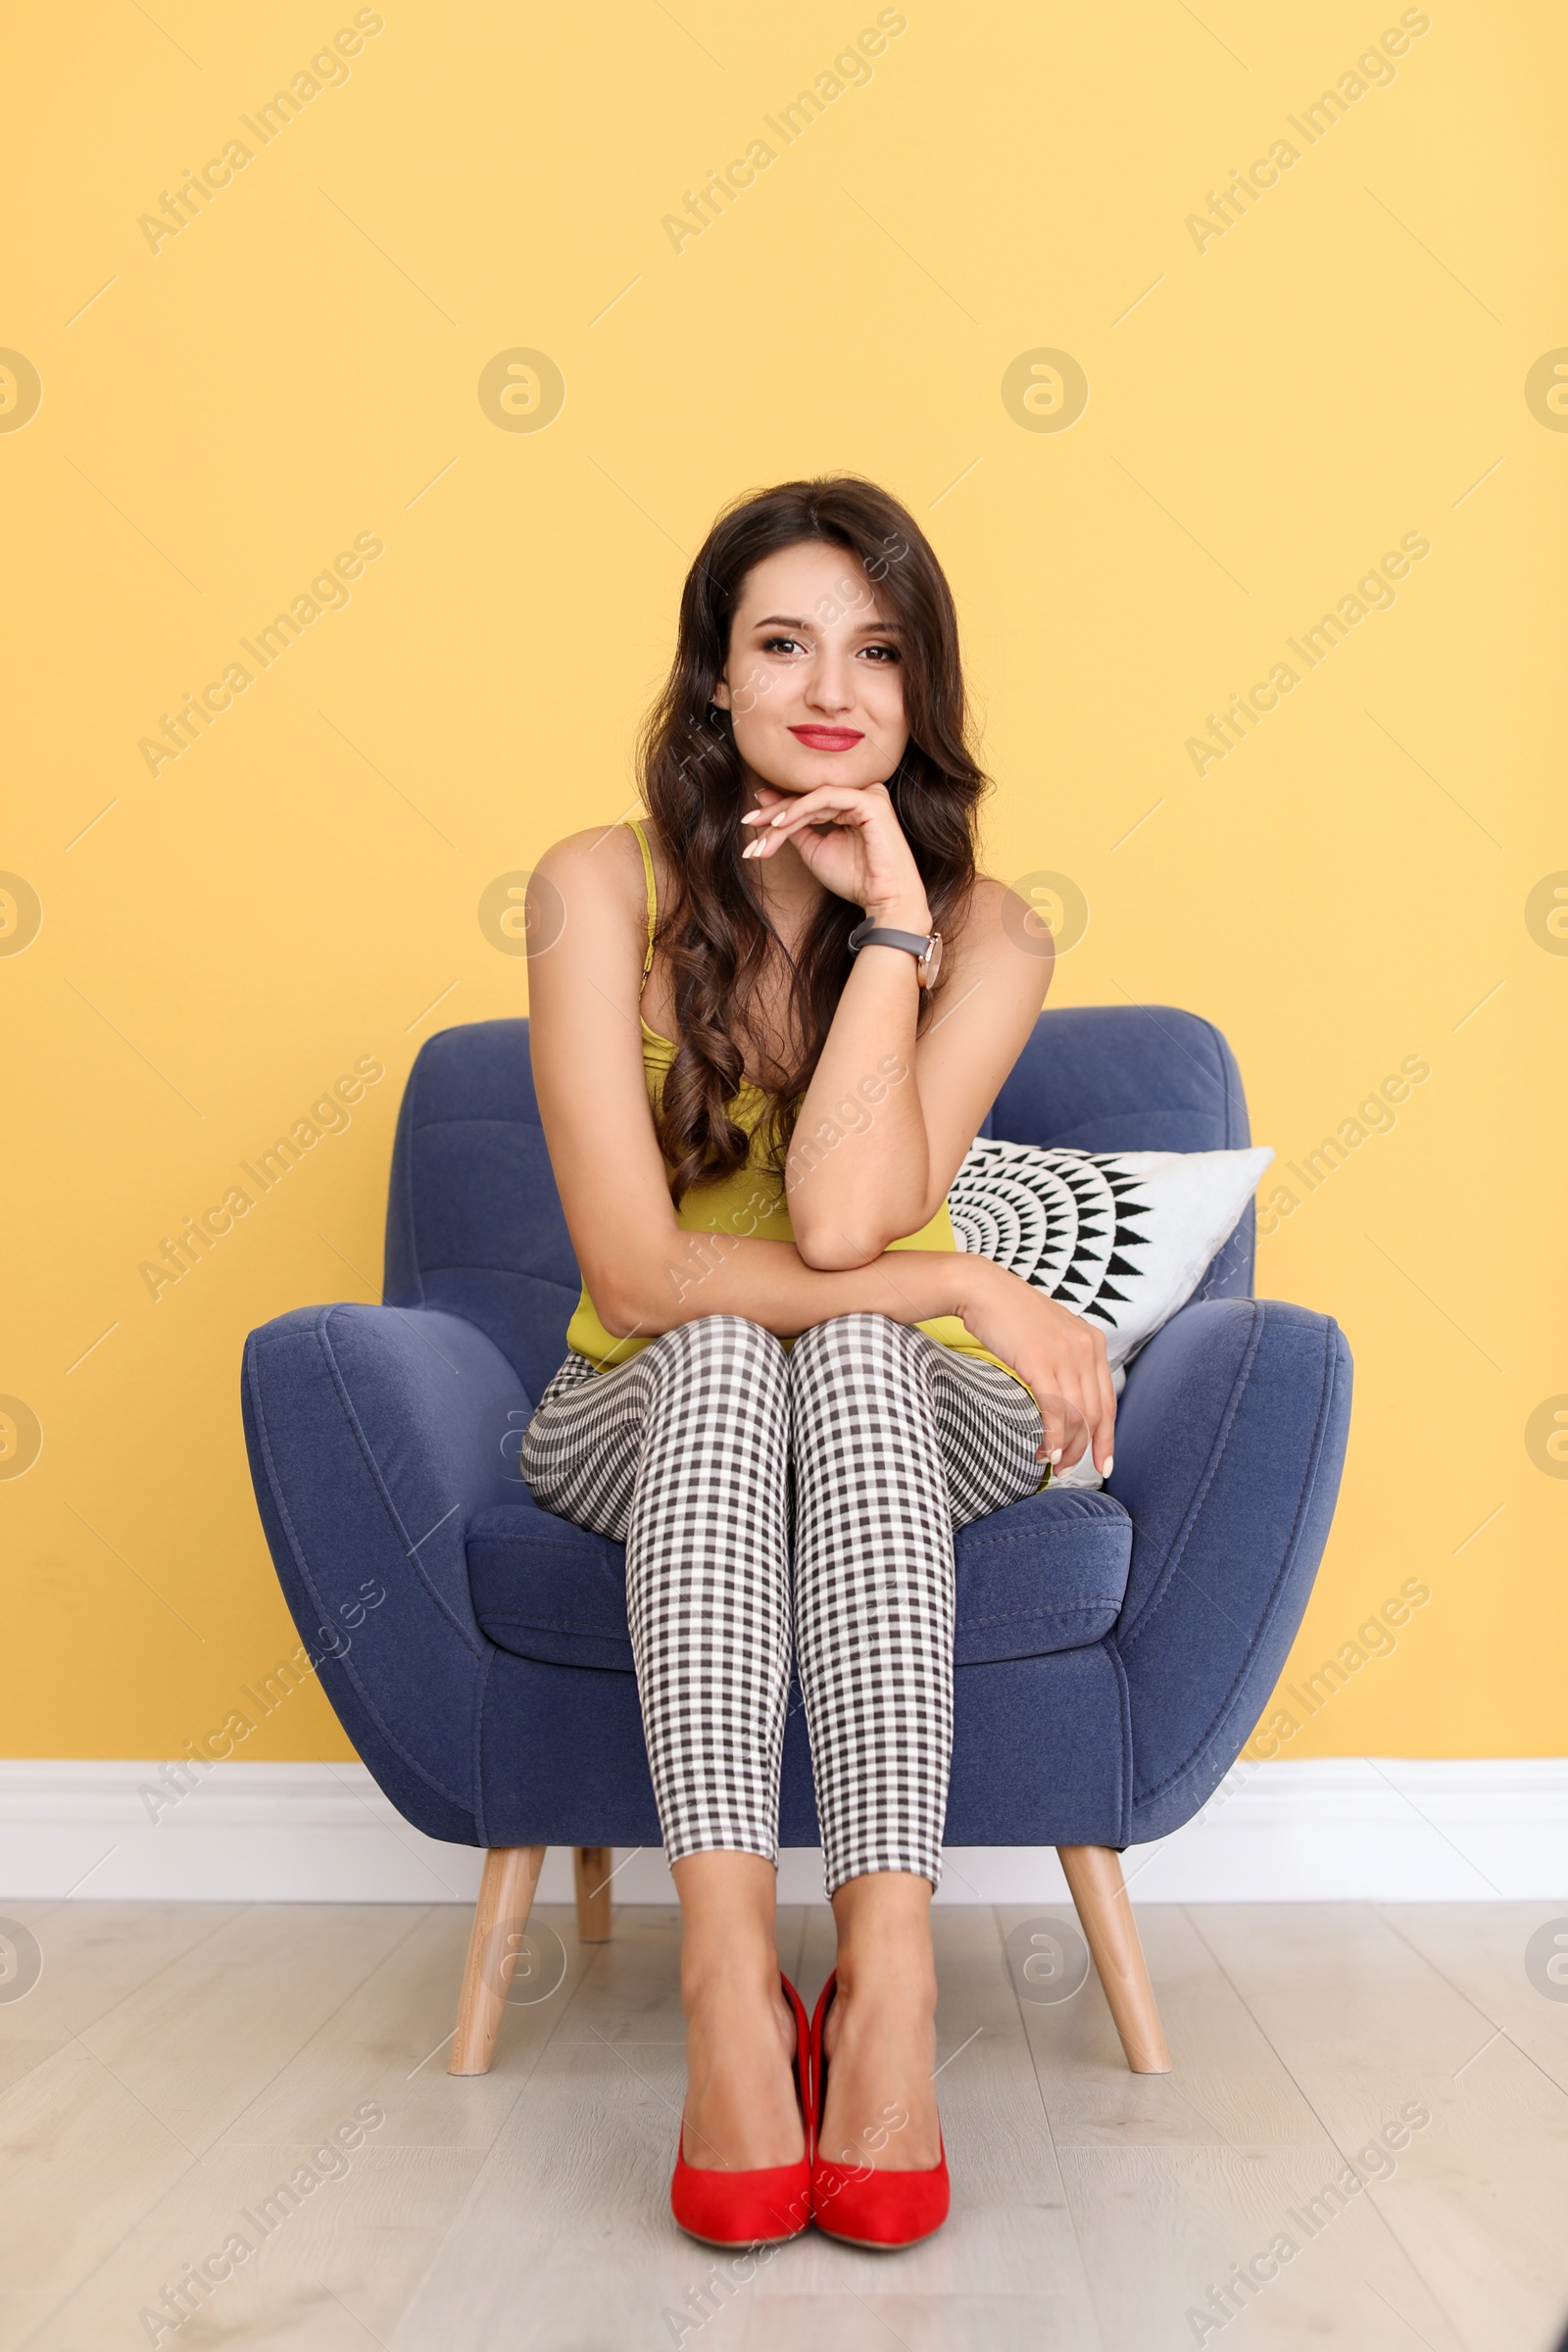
(770, 1283)
(860, 1159)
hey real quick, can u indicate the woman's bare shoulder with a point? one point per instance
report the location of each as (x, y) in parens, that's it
(591, 885)
(991, 906)
(1002, 932)
(602, 863)
(987, 894)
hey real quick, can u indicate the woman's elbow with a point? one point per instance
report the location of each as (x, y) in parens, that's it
(838, 1245)
(837, 1249)
(626, 1308)
(619, 1318)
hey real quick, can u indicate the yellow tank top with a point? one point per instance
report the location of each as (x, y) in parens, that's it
(750, 1201)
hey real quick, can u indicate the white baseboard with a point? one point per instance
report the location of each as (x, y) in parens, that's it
(1344, 1830)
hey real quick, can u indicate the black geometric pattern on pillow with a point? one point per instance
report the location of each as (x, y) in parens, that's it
(1067, 1221)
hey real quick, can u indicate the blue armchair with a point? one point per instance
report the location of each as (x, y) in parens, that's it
(1114, 1648)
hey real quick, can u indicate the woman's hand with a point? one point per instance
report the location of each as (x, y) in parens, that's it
(1061, 1358)
(850, 840)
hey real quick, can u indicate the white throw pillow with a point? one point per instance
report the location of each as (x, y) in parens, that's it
(1121, 1238)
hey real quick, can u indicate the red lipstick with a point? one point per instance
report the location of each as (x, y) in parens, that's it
(828, 739)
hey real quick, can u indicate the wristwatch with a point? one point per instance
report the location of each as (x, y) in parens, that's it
(926, 951)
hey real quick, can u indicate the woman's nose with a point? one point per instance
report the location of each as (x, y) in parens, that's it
(830, 687)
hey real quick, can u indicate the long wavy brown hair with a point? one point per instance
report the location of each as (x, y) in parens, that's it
(714, 929)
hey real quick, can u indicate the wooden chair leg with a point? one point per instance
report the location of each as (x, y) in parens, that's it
(1094, 1875)
(500, 1923)
(593, 1864)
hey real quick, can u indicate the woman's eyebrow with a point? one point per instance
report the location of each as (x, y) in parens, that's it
(793, 620)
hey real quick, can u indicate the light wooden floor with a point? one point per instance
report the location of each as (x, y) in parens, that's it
(175, 2061)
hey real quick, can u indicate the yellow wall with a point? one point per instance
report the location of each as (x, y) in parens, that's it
(1271, 410)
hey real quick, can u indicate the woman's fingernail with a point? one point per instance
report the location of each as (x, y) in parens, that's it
(1111, 1465)
(1054, 1458)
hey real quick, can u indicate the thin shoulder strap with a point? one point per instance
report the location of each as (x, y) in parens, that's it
(652, 895)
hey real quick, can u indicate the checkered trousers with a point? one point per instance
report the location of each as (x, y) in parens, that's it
(764, 1495)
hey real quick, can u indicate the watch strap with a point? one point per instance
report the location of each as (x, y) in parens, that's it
(872, 935)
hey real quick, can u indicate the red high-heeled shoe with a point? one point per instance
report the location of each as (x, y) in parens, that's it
(764, 2207)
(881, 2211)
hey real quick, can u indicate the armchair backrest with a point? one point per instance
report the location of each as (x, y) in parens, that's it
(475, 1223)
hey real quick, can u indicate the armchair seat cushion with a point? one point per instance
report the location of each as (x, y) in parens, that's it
(1044, 1574)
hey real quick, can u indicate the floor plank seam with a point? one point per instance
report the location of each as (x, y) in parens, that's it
(1085, 2268)
(490, 2155)
(130, 1993)
(1393, 2236)
(318, 2028)
(1471, 2002)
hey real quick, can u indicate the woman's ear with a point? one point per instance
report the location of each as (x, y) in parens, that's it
(720, 694)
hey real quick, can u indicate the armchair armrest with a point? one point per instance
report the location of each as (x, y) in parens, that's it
(374, 1434)
(1230, 1440)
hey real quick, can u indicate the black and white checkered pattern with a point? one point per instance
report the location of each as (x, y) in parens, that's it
(705, 1453)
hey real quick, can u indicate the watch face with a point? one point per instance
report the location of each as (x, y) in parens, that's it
(930, 963)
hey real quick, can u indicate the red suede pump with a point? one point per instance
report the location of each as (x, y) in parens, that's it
(881, 2211)
(763, 2207)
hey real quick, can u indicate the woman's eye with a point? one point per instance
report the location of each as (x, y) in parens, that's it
(884, 653)
(781, 644)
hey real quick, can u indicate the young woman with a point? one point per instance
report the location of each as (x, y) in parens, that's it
(766, 1024)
